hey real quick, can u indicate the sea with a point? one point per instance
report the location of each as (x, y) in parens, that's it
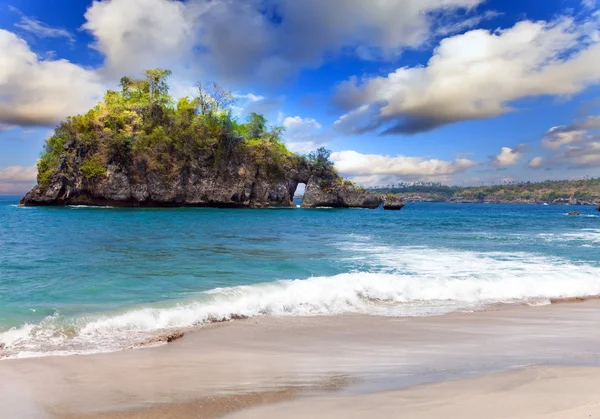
(80, 280)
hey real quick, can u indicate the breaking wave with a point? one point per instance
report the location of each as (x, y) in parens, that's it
(390, 281)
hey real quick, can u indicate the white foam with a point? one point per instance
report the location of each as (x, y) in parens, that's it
(392, 281)
(89, 206)
(589, 235)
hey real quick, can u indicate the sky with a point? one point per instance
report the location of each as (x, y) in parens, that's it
(464, 92)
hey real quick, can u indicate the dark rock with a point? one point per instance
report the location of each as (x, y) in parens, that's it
(237, 182)
(598, 207)
(392, 202)
(338, 195)
(167, 337)
(573, 213)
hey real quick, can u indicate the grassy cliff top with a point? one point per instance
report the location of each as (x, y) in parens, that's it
(142, 126)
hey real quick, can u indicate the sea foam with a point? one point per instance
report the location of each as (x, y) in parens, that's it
(391, 281)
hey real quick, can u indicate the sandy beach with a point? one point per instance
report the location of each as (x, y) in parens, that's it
(517, 362)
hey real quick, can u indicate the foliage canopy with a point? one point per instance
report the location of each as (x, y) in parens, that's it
(143, 126)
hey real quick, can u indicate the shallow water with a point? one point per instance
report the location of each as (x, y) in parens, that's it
(81, 280)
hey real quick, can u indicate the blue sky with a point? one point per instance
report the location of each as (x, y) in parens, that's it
(455, 91)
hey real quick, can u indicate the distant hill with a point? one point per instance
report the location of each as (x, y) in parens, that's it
(576, 192)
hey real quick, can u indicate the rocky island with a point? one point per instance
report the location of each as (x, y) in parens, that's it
(138, 148)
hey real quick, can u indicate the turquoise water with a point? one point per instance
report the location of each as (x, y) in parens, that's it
(79, 280)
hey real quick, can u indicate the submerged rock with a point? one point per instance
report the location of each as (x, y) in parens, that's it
(575, 213)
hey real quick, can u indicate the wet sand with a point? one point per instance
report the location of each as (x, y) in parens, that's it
(534, 393)
(332, 362)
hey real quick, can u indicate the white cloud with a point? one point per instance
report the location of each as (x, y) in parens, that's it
(42, 30)
(583, 155)
(352, 163)
(298, 124)
(17, 179)
(261, 39)
(590, 4)
(576, 145)
(41, 92)
(18, 174)
(249, 96)
(507, 157)
(476, 75)
(558, 136)
(135, 35)
(303, 135)
(535, 163)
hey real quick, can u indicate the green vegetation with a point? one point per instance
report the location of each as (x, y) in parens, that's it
(92, 168)
(434, 191)
(142, 126)
(586, 190)
(320, 161)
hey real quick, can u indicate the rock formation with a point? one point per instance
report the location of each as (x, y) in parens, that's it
(392, 202)
(141, 148)
(238, 182)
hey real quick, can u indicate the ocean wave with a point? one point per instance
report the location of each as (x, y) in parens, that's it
(392, 282)
(89, 206)
(589, 235)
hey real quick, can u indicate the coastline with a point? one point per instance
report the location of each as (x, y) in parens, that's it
(230, 366)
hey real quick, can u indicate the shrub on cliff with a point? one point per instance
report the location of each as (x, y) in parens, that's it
(142, 126)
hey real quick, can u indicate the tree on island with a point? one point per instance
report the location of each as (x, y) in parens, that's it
(141, 125)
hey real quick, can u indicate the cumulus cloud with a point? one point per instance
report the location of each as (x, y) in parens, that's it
(41, 92)
(508, 156)
(137, 34)
(535, 163)
(303, 135)
(261, 39)
(17, 179)
(558, 136)
(575, 145)
(475, 75)
(585, 155)
(297, 124)
(353, 164)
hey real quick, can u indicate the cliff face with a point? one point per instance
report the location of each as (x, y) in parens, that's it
(237, 181)
(140, 147)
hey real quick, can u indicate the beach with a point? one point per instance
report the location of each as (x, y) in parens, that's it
(511, 361)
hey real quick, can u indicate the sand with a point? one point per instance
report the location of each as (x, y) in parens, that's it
(335, 366)
(535, 393)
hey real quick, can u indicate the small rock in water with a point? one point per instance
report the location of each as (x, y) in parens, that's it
(2, 346)
(573, 213)
(598, 207)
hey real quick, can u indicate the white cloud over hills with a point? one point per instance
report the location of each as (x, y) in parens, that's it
(351, 163)
(475, 75)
